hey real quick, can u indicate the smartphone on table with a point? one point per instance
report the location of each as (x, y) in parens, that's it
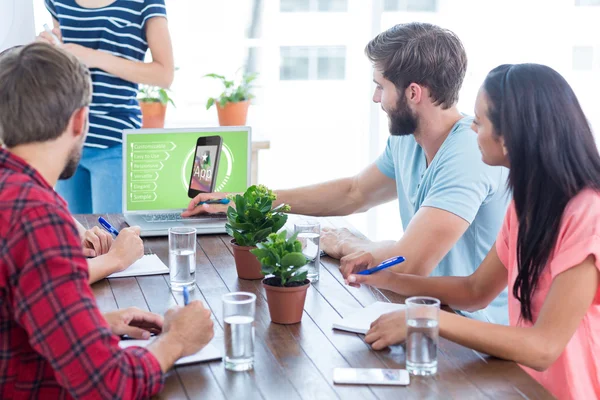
(371, 376)
(206, 164)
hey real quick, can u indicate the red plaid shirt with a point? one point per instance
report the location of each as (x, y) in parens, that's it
(54, 342)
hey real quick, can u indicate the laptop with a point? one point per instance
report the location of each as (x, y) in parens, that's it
(161, 165)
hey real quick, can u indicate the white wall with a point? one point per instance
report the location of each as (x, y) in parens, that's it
(16, 23)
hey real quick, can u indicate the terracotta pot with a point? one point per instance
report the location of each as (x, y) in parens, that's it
(246, 263)
(286, 304)
(233, 114)
(153, 114)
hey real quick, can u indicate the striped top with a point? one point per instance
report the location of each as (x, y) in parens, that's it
(118, 29)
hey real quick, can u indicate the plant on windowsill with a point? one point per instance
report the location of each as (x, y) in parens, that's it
(285, 283)
(153, 102)
(232, 105)
(251, 221)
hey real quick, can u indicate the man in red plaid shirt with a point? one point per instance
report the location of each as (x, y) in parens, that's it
(54, 342)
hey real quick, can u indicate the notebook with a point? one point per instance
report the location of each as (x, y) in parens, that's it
(208, 353)
(149, 264)
(360, 321)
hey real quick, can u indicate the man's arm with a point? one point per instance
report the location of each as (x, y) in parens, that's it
(53, 302)
(335, 198)
(342, 196)
(428, 238)
(460, 184)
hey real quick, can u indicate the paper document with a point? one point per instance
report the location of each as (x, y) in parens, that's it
(360, 321)
(149, 264)
(208, 353)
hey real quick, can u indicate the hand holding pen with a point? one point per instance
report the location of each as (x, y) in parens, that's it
(354, 272)
(128, 247)
(108, 227)
(50, 36)
(204, 204)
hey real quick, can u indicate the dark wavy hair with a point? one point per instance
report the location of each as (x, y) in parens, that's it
(552, 155)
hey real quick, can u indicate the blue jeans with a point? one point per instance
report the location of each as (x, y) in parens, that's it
(97, 186)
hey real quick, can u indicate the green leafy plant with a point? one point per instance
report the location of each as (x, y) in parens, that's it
(282, 258)
(254, 217)
(154, 94)
(233, 93)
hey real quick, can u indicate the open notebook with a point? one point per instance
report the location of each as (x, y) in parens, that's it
(149, 264)
(360, 321)
(208, 353)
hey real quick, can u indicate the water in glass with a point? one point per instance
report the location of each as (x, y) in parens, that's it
(239, 342)
(310, 249)
(182, 268)
(421, 346)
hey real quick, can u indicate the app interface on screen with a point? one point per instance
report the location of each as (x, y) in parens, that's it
(204, 162)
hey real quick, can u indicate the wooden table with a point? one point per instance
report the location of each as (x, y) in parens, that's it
(297, 361)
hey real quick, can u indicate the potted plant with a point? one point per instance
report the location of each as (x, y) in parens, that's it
(285, 283)
(249, 223)
(232, 105)
(153, 102)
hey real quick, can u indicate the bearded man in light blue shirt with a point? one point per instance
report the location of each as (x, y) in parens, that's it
(451, 203)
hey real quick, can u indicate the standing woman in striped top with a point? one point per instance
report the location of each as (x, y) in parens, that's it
(111, 37)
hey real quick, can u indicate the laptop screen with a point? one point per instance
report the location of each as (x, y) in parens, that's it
(159, 166)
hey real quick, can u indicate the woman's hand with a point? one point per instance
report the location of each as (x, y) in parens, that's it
(387, 330)
(85, 55)
(47, 37)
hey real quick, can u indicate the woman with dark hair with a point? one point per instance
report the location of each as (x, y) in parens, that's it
(548, 250)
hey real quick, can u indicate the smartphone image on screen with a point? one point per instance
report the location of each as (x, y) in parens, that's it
(206, 164)
(371, 376)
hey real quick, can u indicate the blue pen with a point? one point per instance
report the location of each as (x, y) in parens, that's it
(108, 227)
(386, 264)
(214, 201)
(186, 296)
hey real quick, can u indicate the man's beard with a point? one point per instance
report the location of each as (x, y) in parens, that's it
(72, 164)
(402, 121)
(75, 156)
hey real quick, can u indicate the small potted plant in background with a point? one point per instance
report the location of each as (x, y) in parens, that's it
(249, 223)
(285, 283)
(153, 102)
(232, 105)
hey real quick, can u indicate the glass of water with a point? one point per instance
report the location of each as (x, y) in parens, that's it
(238, 315)
(422, 333)
(182, 258)
(309, 233)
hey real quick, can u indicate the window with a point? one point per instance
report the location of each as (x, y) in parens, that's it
(410, 5)
(313, 5)
(294, 5)
(294, 63)
(313, 63)
(583, 58)
(331, 63)
(254, 28)
(587, 2)
(333, 5)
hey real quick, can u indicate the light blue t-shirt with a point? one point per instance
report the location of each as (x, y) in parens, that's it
(457, 181)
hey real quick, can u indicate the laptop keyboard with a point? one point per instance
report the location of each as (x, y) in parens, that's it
(175, 217)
